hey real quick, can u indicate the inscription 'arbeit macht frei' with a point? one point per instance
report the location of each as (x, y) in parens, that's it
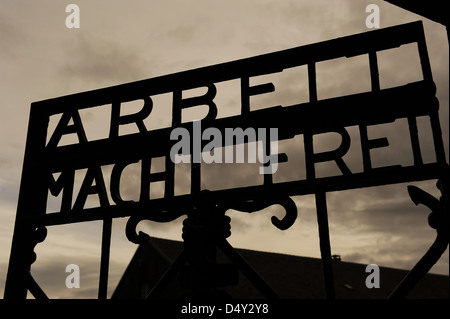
(204, 142)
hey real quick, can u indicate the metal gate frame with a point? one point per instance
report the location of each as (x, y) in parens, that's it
(380, 106)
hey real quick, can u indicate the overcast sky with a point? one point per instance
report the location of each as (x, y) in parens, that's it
(125, 41)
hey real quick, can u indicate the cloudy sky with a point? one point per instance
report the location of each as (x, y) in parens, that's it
(125, 41)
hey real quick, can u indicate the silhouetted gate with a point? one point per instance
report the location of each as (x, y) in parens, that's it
(207, 226)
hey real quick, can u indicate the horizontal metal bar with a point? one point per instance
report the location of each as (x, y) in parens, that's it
(352, 45)
(369, 108)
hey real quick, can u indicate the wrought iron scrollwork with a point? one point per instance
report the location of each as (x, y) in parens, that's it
(204, 203)
(134, 220)
(438, 220)
(254, 205)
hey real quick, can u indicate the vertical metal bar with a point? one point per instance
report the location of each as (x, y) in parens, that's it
(312, 82)
(195, 177)
(434, 118)
(423, 54)
(169, 183)
(367, 164)
(35, 289)
(308, 136)
(166, 277)
(196, 181)
(309, 160)
(104, 262)
(325, 248)
(245, 96)
(414, 137)
(247, 270)
(374, 75)
(437, 137)
(421, 268)
(268, 178)
(32, 202)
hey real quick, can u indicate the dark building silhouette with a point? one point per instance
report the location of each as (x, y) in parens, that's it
(291, 277)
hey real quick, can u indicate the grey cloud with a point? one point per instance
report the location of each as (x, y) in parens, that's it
(385, 208)
(339, 19)
(98, 62)
(231, 175)
(181, 33)
(388, 228)
(391, 251)
(8, 192)
(403, 252)
(10, 35)
(238, 222)
(161, 229)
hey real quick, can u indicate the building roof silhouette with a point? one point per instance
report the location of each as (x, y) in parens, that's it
(291, 277)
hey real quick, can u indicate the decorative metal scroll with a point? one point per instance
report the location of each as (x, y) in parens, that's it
(378, 106)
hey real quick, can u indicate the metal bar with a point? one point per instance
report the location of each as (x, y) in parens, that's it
(168, 275)
(104, 262)
(245, 97)
(437, 137)
(385, 106)
(325, 248)
(352, 45)
(248, 271)
(423, 54)
(421, 268)
(374, 74)
(312, 82)
(31, 203)
(34, 288)
(16, 286)
(414, 137)
(439, 220)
